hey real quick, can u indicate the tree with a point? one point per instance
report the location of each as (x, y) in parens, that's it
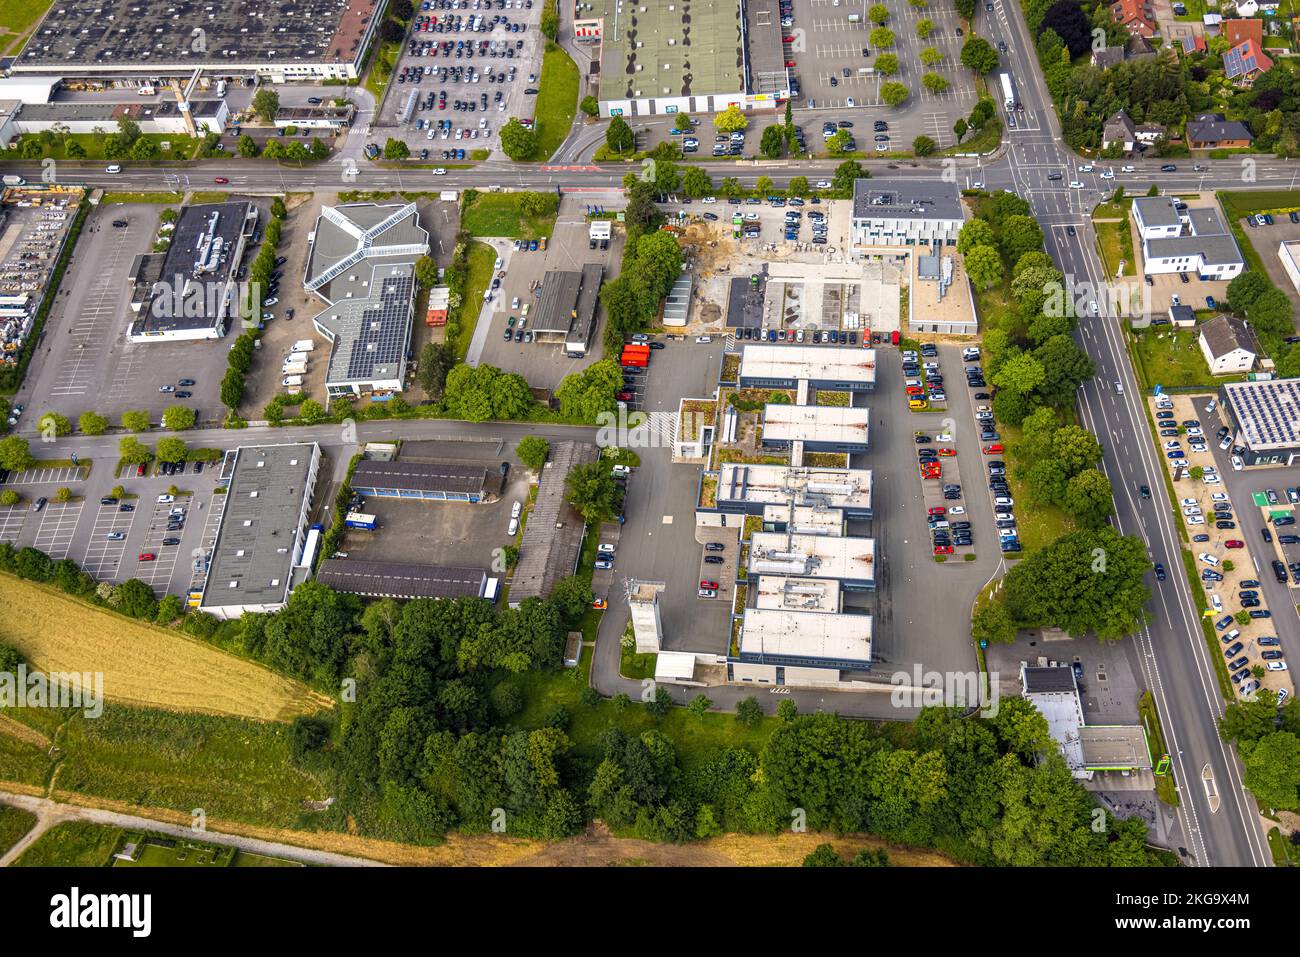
(74, 150)
(1088, 498)
(178, 418)
(976, 232)
(984, 266)
(1273, 770)
(1271, 313)
(532, 451)
(748, 712)
(845, 175)
(1022, 372)
(881, 38)
(590, 106)
(1019, 235)
(63, 494)
(959, 128)
(1065, 368)
(232, 389)
(978, 55)
(789, 123)
(15, 454)
(590, 489)
(133, 452)
(934, 82)
(696, 182)
(923, 146)
(893, 94)
(699, 705)
(550, 25)
(1067, 19)
(390, 31)
(823, 855)
(798, 186)
(53, 425)
(517, 141)
(731, 188)
(589, 394)
(992, 623)
(426, 272)
(171, 449)
(266, 104)
(1245, 289)
(924, 27)
(395, 149)
(878, 14)
(838, 144)
(731, 120)
(619, 136)
(246, 146)
(772, 141)
(92, 423)
(787, 710)
(931, 56)
(763, 186)
(887, 64)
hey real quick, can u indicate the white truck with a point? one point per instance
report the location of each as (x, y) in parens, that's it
(293, 369)
(303, 345)
(297, 356)
(292, 380)
(1009, 99)
(14, 181)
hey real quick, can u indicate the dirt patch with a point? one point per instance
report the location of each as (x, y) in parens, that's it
(15, 729)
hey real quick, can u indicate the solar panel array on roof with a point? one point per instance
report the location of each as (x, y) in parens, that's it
(384, 327)
(1269, 412)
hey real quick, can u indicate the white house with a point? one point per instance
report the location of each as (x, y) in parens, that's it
(1229, 345)
(1177, 239)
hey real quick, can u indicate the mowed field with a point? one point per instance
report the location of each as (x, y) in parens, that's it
(144, 665)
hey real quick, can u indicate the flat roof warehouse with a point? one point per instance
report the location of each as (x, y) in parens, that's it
(88, 37)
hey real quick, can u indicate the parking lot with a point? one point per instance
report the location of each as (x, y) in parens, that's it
(85, 363)
(452, 58)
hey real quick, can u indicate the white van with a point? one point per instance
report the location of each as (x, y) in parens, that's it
(114, 168)
(291, 380)
(303, 345)
(14, 181)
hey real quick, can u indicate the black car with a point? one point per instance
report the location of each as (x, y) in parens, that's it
(1279, 571)
(715, 547)
(1268, 536)
(1168, 168)
(1160, 572)
(171, 541)
(1225, 524)
(120, 224)
(125, 507)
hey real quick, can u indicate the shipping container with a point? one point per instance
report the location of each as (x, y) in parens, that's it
(360, 520)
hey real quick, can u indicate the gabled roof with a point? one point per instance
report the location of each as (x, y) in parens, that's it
(1133, 14)
(1225, 334)
(1119, 129)
(1107, 57)
(1245, 60)
(1238, 32)
(1212, 128)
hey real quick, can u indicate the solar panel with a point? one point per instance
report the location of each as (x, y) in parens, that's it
(384, 327)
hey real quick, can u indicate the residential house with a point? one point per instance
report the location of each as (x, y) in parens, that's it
(1176, 239)
(1246, 62)
(1192, 43)
(1213, 23)
(1136, 16)
(1138, 48)
(1229, 345)
(1210, 131)
(1237, 32)
(1107, 57)
(1119, 131)
(1149, 133)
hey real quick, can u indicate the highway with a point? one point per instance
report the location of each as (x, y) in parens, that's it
(1172, 651)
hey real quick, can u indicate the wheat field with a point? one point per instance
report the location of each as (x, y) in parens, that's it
(144, 665)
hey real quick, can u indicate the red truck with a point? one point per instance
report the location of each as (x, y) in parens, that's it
(635, 355)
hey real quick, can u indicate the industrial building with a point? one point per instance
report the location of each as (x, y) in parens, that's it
(332, 118)
(822, 368)
(427, 481)
(1265, 417)
(362, 262)
(658, 59)
(849, 561)
(906, 212)
(552, 541)
(1086, 748)
(262, 533)
(1178, 239)
(189, 292)
(114, 39)
(404, 580)
(749, 489)
(1288, 253)
(817, 428)
(802, 649)
(164, 116)
(566, 309)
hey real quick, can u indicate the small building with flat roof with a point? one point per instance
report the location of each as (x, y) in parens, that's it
(263, 528)
(850, 561)
(821, 428)
(789, 593)
(552, 540)
(803, 519)
(332, 118)
(189, 292)
(402, 580)
(566, 310)
(822, 367)
(751, 488)
(1265, 416)
(1087, 749)
(919, 211)
(427, 481)
(801, 649)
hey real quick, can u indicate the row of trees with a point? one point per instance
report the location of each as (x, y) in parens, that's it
(1268, 740)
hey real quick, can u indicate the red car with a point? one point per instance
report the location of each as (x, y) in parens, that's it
(139, 471)
(625, 396)
(943, 549)
(995, 449)
(221, 180)
(147, 556)
(944, 452)
(789, 63)
(1234, 543)
(787, 39)
(937, 510)
(707, 584)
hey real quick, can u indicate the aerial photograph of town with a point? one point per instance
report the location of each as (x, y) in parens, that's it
(646, 433)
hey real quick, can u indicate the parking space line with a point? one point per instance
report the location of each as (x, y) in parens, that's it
(12, 521)
(103, 557)
(58, 526)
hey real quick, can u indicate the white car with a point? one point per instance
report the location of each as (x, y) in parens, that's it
(1128, 169)
(824, 184)
(943, 437)
(1108, 174)
(1216, 603)
(514, 303)
(708, 200)
(1209, 559)
(1173, 444)
(514, 528)
(1226, 443)
(1195, 519)
(978, 184)
(1086, 168)
(516, 509)
(1275, 665)
(1075, 184)
(1220, 496)
(957, 510)
(1195, 431)
(1237, 463)
(1211, 479)
(1190, 501)
(439, 172)
(1192, 510)
(166, 499)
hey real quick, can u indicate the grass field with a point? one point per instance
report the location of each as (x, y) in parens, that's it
(497, 215)
(14, 823)
(166, 199)
(1172, 358)
(234, 770)
(145, 665)
(1115, 243)
(72, 844)
(16, 18)
(557, 100)
(1039, 525)
(481, 259)
(179, 146)
(1166, 787)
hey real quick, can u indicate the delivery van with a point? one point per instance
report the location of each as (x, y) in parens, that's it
(292, 380)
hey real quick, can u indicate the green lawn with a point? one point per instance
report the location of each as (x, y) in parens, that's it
(1285, 854)
(179, 146)
(1166, 788)
(165, 199)
(481, 259)
(182, 855)
(1039, 525)
(985, 141)
(14, 823)
(1115, 242)
(557, 100)
(499, 215)
(1195, 10)
(16, 18)
(1171, 358)
(380, 73)
(1264, 201)
(72, 844)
